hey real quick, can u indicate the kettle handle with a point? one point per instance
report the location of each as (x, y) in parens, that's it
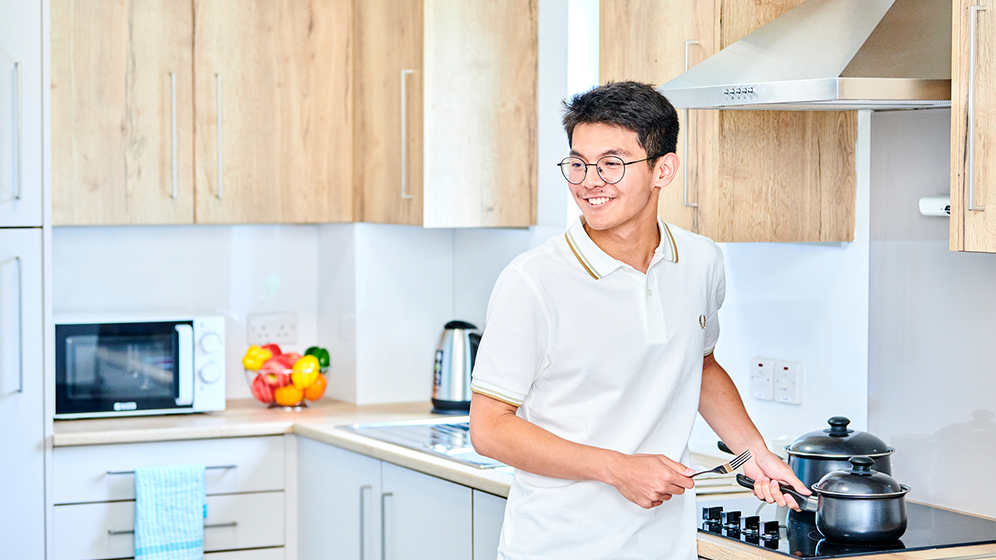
(475, 341)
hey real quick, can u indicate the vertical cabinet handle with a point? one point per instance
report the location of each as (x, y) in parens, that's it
(404, 135)
(172, 129)
(684, 156)
(20, 144)
(20, 324)
(383, 524)
(972, 33)
(217, 82)
(363, 515)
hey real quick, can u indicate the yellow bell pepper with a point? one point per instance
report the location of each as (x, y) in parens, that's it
(306, 372)
(255, 357)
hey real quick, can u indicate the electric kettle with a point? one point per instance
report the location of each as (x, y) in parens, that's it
(455, 357)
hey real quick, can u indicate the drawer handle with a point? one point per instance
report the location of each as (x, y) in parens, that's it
(205, 468)
(974, 11)
(20, 143)
(684, 161)
(208, 526)
(404, 136)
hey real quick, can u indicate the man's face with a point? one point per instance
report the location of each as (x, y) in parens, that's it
(630, 202)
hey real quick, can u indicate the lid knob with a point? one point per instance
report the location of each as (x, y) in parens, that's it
(838, 426)
(861, 464)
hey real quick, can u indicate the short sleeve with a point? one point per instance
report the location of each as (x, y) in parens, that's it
(717, 293)
(513, 346)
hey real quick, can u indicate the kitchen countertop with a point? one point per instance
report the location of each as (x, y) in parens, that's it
(248, 418)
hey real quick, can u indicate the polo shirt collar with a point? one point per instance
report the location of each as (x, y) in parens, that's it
(598, 263)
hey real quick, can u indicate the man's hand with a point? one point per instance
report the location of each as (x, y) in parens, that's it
(768, 470)
(649, 480)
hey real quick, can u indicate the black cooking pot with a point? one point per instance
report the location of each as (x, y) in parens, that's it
(859, 505)
(819, 453)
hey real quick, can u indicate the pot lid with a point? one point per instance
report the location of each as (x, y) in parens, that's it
(838, 442)
(860, 481)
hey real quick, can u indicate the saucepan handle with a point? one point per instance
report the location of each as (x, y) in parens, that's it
(724, 448)
(807, 503)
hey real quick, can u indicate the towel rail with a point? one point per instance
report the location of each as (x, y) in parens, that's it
(205, 468)
(208, 526)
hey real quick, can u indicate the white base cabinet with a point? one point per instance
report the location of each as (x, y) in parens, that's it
(353, 507)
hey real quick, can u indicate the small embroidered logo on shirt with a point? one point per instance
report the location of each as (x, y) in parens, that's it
(702, 321)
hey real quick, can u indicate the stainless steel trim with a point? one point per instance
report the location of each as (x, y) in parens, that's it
(972, 32)
(205, 468)
(383, 524)
(208, 526)
(363, 516)
(404, 136)
(172, 104)
(20, 119)
(217, 81)
(684, 156)
(20, 326)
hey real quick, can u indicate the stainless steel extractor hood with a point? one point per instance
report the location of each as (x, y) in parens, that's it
(830, 55)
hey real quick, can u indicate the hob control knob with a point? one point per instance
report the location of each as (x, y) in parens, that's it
(713, 513)
(210, 343)
(210, 373)
(731, 519)
(752, 523)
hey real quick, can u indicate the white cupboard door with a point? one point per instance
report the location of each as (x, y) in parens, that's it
(424, 517)
(489, 512)
(20, 113)
(22, 513)
(339, 503)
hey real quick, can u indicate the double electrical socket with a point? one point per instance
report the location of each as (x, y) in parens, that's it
(278, 328)
(773, 380)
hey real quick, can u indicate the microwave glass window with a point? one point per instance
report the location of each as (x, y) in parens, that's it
(120, 367)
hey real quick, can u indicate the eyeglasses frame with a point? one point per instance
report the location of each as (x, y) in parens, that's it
(597, 172)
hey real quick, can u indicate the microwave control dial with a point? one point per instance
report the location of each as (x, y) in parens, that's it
(210, 373)
(210, 343)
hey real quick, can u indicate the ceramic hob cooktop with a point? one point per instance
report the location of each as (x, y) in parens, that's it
(755, 523)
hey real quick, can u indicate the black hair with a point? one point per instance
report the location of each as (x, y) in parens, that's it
(631, 105)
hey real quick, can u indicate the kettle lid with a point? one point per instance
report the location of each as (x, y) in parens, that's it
(460, 325)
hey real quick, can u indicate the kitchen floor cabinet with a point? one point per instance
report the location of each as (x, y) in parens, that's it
(93, 492)
(205, 111)
(973, 164)
(745, 175)
(446, 122)
(20, 113)
(363, 508)
(22, 462)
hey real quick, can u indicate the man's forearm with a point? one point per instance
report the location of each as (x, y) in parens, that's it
(721, 407)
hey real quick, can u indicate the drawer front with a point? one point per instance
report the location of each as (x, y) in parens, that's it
(252, 465)
(82, 531)
(257, 554)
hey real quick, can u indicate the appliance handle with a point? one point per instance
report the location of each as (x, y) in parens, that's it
(185, 368)
(208, 526)
(217, 82)
(383, 524)
(684, 161)
(205, 468)
(363, 515)
(972, 33)
(404, 135)
(20, 143)
(172, 104)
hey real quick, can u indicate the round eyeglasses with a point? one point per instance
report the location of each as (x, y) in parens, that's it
(610, 168)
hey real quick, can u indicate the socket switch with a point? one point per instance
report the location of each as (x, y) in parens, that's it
(788, 382)
(762, 379)
(278, 328)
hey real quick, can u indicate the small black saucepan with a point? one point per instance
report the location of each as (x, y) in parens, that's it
(858, 505)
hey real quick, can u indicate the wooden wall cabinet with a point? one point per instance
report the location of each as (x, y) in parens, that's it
(973, 164)
(446, 117)
(751, 175)
(215, 111)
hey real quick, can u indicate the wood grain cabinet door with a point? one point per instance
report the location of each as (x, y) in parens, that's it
(122, 104)
(273, 111)
(973, 163)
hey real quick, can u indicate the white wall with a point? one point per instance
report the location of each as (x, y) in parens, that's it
(218, 270)
(932, 388)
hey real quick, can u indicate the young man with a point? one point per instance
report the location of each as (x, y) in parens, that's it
(598, 354)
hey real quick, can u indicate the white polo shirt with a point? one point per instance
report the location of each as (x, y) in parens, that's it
(599, 353)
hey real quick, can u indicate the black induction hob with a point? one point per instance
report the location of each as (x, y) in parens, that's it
(752, 522)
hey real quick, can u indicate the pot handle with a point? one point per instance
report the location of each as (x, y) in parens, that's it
(724, 448)
(807, 503)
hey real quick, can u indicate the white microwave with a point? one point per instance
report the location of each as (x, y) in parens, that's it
(132, 366)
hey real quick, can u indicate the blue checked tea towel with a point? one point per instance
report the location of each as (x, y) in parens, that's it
(170, 508)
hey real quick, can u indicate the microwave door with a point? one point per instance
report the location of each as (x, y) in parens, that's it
(185, 346)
